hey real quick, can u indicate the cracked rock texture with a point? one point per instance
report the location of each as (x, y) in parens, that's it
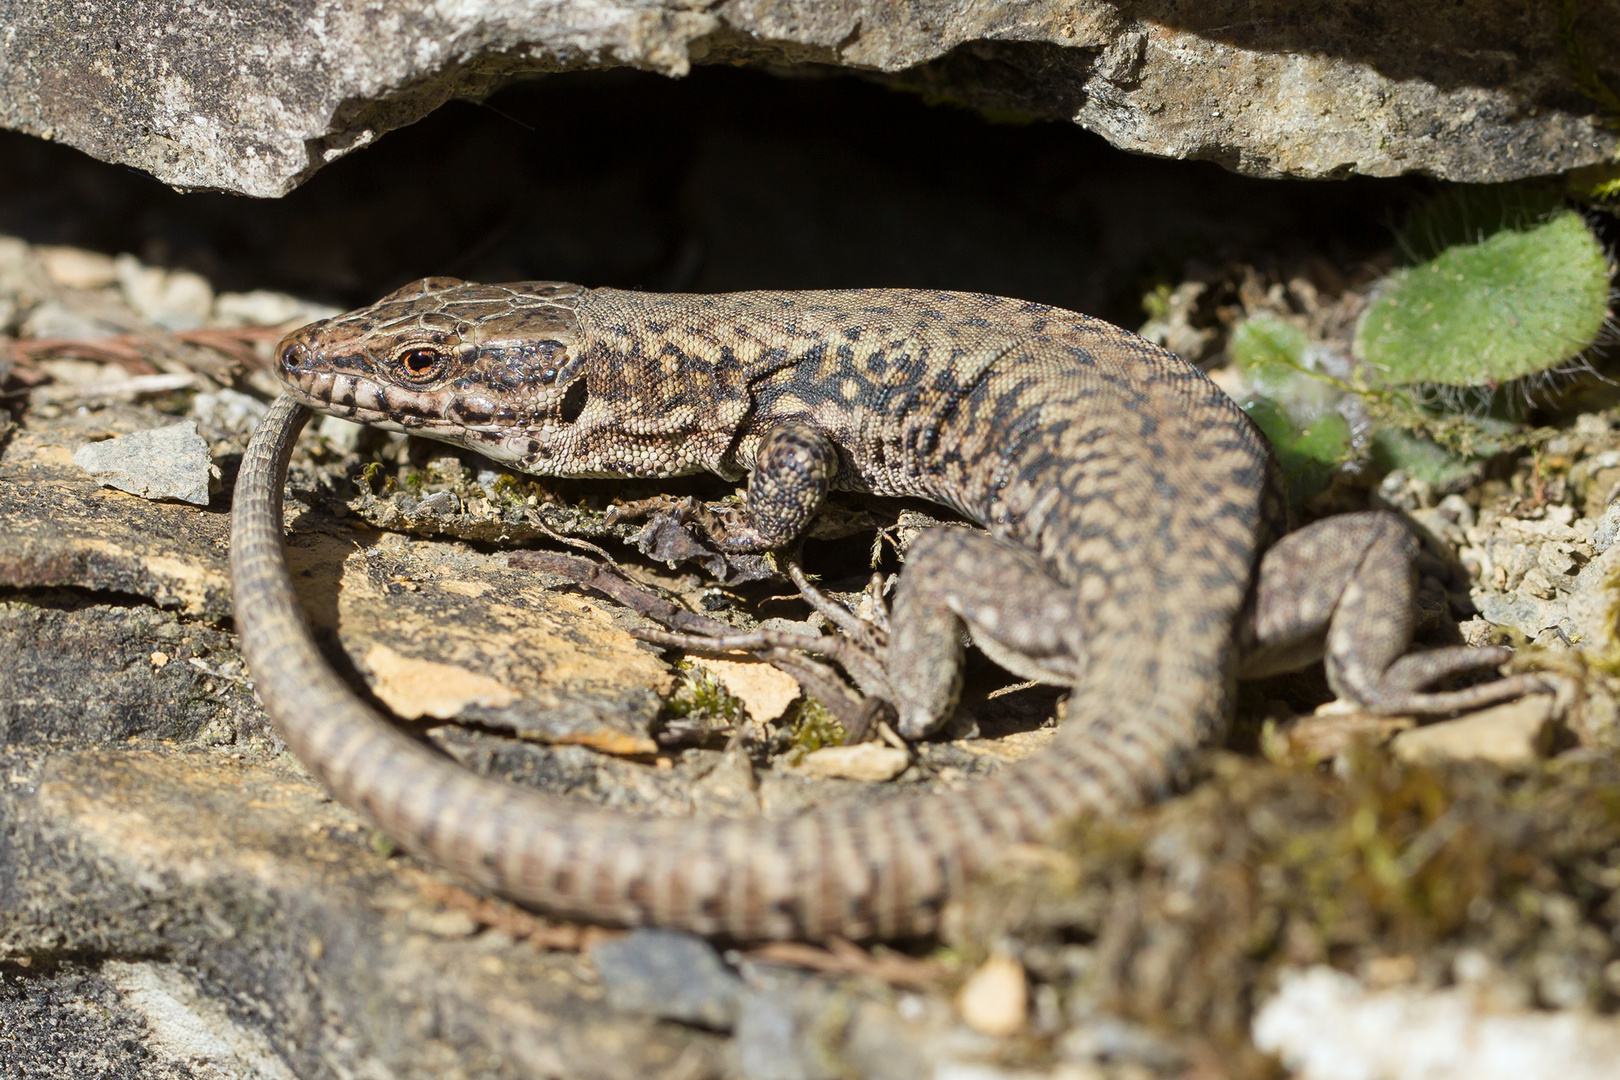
(249, 98)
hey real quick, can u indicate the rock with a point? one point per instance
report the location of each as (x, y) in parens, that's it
(228, 412)
(870, 761)
(185, 1025)
(76, 268)
(345, 435)
(995, 999)
(1608, 527)
(58, 527)
(415, 688)
(1514, 735)
(776, 1036)
(57, 320)
(1325, 1025)
(165, 463)
(1405, 88)
(668, 975)
(264, 308)
(171, 299)
(247, 879)
(764, 691)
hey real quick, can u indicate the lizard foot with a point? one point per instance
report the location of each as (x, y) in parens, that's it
(1342, 590)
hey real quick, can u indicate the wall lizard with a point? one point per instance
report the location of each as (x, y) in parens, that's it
(1135, 551)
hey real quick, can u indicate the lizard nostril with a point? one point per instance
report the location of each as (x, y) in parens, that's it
(292, 357)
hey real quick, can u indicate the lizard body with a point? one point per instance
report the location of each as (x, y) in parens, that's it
(1135, 553)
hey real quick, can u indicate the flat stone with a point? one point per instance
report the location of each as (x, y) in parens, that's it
(164, 463)
(247, 880)
(669, 975)
(1405, 87)
(1513, 735)
(59, 527)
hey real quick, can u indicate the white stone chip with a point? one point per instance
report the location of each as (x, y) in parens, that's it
(872, 762)
(995, 999)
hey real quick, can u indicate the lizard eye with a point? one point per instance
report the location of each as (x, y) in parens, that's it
(422, 364)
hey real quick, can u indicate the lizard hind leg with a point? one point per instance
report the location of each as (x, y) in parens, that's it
(1342, 590)
(1023, 618)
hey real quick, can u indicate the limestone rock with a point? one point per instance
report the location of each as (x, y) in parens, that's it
(1405, 87)
(669, 975)
(1325, 1025)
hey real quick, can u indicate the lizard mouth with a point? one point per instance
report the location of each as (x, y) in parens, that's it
(365, 401)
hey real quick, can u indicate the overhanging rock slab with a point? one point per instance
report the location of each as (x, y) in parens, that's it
(253, 98)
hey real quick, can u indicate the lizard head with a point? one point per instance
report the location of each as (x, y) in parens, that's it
(496, 368)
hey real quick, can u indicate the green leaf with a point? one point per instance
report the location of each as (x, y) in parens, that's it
(1307, 457)
(1269, 352)
(1518, 301)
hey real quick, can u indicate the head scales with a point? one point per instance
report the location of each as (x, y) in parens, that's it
(497, 368)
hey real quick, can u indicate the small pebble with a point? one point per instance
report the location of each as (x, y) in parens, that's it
(872, 762)
(228, 410)
(995, 999)
(172, 299)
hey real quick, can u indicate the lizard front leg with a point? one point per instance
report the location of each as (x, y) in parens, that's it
(793, 471)
(1342, 591)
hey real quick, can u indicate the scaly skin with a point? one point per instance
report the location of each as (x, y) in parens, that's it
(1128, 502)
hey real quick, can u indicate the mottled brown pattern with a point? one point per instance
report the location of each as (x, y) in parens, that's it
(1128, 504)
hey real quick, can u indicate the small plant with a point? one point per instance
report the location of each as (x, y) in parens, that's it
(813, 727)
(1504, 283)
(699, 695)
(1291, 404)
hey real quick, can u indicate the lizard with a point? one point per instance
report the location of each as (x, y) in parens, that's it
(1134, 549)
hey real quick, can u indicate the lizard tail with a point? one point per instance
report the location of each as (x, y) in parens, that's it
(855, 872)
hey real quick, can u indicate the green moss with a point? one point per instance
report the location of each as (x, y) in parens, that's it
(813, 727)
(369, 473)
(1180, 916)
(699, 695)
(1514, 286)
